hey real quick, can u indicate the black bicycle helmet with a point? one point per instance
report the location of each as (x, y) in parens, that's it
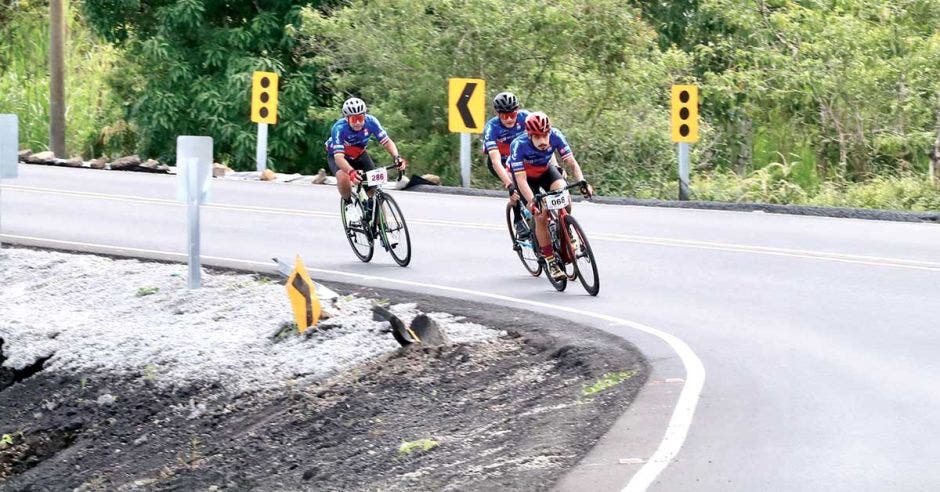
(505, 102)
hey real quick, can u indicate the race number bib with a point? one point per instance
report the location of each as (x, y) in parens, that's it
(555, 202)
(377, 177)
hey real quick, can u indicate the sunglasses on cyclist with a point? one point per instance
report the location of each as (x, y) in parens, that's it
(511, 114)
(356, 118)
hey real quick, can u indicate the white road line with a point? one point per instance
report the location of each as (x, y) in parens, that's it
(679, 422)
(930, 266)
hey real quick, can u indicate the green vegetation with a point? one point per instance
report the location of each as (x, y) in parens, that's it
(421, 445)
(829, 102)
(608, 380)
(95, 125)
(187, 71)
(146, 291)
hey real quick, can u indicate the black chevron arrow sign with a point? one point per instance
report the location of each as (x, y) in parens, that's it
(462, 105)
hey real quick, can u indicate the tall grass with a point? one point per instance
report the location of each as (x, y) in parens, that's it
(24, 78)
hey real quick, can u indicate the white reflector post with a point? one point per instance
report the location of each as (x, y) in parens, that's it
(193, 166)
(9, 157)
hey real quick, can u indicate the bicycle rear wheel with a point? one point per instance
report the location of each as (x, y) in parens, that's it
(359, 238)
(524, 248)
(393, 230)
(584, 262)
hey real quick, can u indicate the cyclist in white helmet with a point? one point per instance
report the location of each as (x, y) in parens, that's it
(346, 148)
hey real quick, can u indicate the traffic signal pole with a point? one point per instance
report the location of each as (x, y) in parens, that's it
(261, 153)
(683, 171)
(263, 112)
(684, 130)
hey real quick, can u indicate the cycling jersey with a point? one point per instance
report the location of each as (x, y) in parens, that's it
(524, 156)
(352, 143)
(497, 136)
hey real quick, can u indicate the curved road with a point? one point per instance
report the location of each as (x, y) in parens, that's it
(820, 337)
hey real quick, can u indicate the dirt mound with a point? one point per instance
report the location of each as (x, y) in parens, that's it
(515, 412)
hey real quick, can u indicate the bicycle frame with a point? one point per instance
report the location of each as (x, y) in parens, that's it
(559, 216)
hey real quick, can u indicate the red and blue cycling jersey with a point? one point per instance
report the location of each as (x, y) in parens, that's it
(343, 139)
(524, 156)
(497, 136)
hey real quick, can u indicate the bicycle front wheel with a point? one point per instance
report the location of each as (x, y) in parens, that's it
(356, 232)
(393, 230)
(524, 247)
(584, 257)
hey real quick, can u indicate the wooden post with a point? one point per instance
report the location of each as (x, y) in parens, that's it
(935, 153)
(57, 78)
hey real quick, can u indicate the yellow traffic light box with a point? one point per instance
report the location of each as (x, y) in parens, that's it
(684, 121)
(264, 97)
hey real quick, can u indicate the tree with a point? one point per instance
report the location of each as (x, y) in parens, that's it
(593, 66)
(189, 65)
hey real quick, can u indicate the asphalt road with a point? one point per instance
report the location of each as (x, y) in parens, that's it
(818, 336)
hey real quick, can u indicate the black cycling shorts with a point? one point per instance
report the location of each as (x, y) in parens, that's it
(361, 163)
(552, 174)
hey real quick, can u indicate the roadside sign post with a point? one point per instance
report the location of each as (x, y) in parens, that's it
(466, 110)
(261, 152)
(683, 171)
(194, 166)
(684, 129)
(9, 157)
(263, 112)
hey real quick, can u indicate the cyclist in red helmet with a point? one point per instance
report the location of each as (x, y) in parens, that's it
(530, 159)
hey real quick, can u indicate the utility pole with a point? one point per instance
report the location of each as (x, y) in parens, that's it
(57, 78)
(935, 153)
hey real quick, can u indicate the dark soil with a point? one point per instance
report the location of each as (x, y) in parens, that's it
(508, 414)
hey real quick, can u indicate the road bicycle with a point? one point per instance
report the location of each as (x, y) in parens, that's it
(569, 243)
(379, 217)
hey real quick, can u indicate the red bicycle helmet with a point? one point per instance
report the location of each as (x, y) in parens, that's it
(537, 123)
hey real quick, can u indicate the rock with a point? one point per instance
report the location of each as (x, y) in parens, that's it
(98, 163)
(74, 162)
(196, 409)
(268, 175)
(433, 178)
(320, 178)
(105, 399)
(24, 154)
(153, 166)
(428, 330)
(220, 170)
(46, 157)
(125, 163)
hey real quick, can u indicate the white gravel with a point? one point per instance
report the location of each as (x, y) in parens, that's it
(93, 314)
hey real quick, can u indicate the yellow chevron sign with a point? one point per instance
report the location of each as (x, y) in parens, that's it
(303, 297)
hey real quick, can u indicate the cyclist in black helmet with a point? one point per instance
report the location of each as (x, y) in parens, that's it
(498, 133)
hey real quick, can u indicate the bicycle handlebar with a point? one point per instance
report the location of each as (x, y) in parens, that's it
(362, 173)
(539, 196)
